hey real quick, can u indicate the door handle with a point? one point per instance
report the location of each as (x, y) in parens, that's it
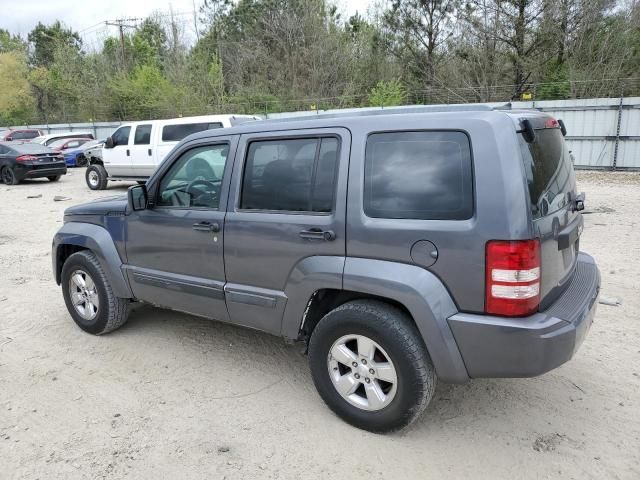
(149, 152)
(207, 227)
(318, 234)
(127, 152)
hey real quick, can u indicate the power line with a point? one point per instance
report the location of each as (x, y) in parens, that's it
(122, 23)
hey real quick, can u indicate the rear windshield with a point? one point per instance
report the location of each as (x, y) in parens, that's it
(549, 171)
(175, 133)
(30, 148)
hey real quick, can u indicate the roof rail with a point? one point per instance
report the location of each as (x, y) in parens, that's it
(372, 111)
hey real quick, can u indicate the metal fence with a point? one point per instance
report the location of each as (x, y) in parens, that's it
(602, 133)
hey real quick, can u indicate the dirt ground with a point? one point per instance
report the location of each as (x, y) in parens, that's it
(173, 396)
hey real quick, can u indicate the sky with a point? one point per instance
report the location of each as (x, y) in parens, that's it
(88, 16)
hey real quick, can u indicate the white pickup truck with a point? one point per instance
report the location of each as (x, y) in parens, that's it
(135, 150)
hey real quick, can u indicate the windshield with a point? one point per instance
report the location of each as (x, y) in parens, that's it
(549, 171)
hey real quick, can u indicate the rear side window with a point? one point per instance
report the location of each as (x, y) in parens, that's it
(294, 175)
(25, 134)
(175, 133)
(418, 175)
(142, 135)
(550, 176)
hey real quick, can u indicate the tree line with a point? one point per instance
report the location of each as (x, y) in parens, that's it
(260, 56)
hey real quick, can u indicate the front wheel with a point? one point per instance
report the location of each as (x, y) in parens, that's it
(370, 365)
(89, 297)
(96, 177)
(54, 178)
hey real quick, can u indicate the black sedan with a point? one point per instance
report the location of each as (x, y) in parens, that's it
(21, 160)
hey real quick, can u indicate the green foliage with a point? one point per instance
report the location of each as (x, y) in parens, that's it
(387, 94)
(16, 103)
(10, 43)
(262, 56)
(555, 85)
(46, 39)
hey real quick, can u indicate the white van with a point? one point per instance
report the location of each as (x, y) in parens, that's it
(135, 149)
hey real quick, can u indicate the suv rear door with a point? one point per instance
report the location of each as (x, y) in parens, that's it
(552, 192)
(287, 204)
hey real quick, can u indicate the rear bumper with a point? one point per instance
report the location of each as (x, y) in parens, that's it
(530, 346)
(39, 171)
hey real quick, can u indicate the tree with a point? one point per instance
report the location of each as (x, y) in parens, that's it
(16, 103)
(415, 32)
(10, 43)
(45, 39)
(386, 94)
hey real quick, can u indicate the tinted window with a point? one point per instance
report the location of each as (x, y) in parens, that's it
(24, 134)
(418, 175)
(549, 171)
(296, 175)
(175, 133)
(121, 136)
(194, 180)
(142, 135)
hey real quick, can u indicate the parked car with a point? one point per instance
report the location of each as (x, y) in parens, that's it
(134, 150)
(77, 157)
(25, 160)
(63, 144)
(403, 246)
(19, 134)
(50, 138)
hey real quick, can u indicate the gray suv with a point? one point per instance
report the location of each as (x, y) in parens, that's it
(402, 246)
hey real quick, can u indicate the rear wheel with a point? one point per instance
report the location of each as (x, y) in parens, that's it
(8, 176)
(96, 177)
(54, 178)
(371, 366)
(81, 161)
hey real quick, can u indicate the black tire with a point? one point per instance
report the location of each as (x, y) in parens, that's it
(54, 178)
(8, 176)
(396, 333)
(96, 177)
(81, 161)
(112, 311)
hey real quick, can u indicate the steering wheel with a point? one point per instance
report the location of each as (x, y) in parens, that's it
(195, 193)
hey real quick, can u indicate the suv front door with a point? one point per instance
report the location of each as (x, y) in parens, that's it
(287, 205)
(117, 160)
(174, 247)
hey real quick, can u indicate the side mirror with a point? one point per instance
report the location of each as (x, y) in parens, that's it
(108, 143)
(137, 197)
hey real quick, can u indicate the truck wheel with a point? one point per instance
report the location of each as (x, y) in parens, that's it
(96, 177)
(8, 177)
(370, 365)
(89, 297)
(54, 178)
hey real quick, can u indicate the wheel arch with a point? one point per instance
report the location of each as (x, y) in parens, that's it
(414, 290)
(76, 236)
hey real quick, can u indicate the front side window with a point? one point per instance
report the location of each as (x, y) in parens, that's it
(195, 179)
(142, 135)
(175, 133)
(121, 136)
(418, 175)
(295, 175)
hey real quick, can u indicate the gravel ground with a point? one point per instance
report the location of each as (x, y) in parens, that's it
(173, 396)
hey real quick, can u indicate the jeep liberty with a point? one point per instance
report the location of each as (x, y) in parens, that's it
(403, 246)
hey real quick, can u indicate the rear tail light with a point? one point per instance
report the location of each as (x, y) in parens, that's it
(512, 277)
(25, 158)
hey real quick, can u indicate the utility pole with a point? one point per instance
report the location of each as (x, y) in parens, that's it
(123, 23)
